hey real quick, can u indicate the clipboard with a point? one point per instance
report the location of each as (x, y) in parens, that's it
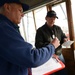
(51, 66)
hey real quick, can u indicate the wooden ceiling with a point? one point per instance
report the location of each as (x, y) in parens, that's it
(35, 3)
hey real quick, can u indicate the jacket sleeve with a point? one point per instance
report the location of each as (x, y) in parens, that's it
(62, 36)
(15, 50)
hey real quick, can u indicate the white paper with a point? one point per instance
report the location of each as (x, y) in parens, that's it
(50, 65)
(67, 43)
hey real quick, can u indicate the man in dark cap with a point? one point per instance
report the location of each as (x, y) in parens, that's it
(48, 32)
(16, 55)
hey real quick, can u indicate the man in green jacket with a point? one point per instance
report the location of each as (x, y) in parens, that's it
(48, 32)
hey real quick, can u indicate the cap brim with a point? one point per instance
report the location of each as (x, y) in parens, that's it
(25, 7)
(56, 17)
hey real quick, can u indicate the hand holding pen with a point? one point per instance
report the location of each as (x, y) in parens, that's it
(55, 42)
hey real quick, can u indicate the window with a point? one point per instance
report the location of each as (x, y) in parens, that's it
(28, 28)
(40, 16)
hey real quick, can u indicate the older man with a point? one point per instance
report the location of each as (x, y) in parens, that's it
(16, 55)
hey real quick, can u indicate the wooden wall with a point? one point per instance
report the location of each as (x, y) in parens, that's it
(70, 62)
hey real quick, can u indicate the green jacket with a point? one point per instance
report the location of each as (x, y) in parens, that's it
(44, 36)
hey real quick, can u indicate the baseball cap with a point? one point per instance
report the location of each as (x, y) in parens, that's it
(24, 6)
(51, 13)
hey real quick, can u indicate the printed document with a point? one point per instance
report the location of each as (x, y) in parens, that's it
(68, 43)
(50, 66)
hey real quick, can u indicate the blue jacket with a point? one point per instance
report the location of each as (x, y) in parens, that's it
(16, 55)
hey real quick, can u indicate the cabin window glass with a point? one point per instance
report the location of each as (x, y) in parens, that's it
(29, 28)
(22, 29)
(40, 16)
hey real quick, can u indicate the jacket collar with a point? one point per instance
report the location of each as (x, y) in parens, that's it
(2, 17)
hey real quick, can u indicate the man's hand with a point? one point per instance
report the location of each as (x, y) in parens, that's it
(55, 42)
(65, 39)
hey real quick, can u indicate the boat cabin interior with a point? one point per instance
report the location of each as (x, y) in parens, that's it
(65, 10)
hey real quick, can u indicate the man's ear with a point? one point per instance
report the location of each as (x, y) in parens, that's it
(7, 7)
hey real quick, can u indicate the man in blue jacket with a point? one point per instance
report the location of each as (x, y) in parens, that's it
(16, 55)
